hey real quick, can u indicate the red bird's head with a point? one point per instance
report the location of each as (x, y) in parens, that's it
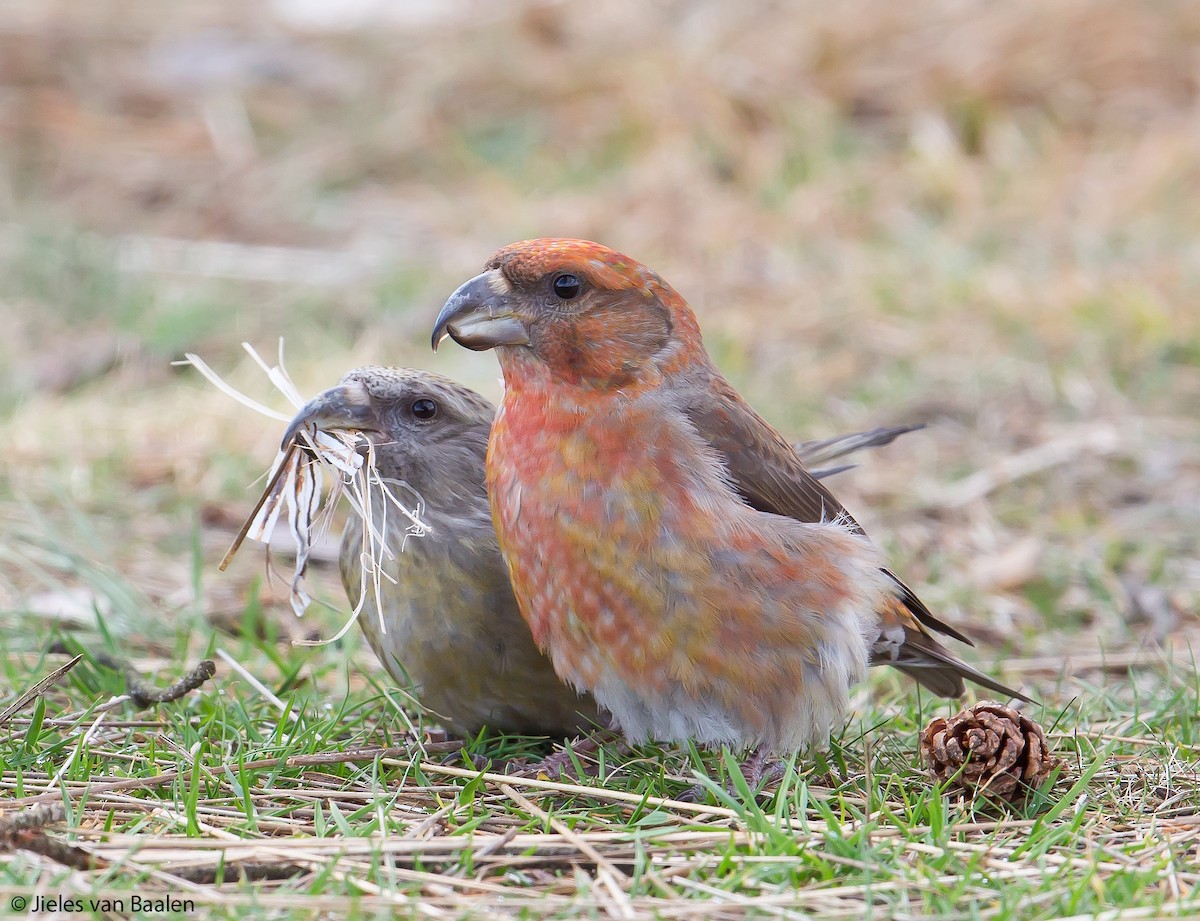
(586, 315)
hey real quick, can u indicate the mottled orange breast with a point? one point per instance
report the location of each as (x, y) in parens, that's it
(573, 503)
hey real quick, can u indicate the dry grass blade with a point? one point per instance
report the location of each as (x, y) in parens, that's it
(41, 687)
(295, 490)
(269, 491)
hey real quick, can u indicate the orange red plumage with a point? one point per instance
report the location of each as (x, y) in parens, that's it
(666, 545)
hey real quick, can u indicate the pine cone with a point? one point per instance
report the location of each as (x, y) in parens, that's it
(988, 748)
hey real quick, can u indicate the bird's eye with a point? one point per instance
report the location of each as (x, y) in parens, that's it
(567, 286)
(424, 409)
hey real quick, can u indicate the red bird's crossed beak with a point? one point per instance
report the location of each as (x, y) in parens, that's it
(480, 315)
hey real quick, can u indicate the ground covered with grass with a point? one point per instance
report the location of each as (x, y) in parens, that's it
(978, 217)
(315, 798)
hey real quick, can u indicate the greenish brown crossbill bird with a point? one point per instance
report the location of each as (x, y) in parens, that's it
(668, 548)
(454, 633)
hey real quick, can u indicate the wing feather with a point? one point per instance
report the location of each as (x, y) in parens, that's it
(770, 476)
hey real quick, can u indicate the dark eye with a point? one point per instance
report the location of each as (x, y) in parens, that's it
(424, 409)
(567, 286)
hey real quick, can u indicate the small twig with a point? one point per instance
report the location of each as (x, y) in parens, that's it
(38, 842)
(33, 818)
(25, 831)
(238, 872)
(1098, 439)
(144, 694)
(140, 691)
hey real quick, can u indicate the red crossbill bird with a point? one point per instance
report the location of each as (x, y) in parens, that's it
(451, 627)
(667, 547)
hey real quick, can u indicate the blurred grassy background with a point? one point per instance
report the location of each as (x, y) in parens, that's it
(983, 216)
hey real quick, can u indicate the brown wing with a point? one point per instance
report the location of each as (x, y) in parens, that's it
(904, 644)
(765, 469)
(770, 476)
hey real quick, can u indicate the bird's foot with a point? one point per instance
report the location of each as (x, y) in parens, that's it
(762, 769)
(571, 760)
(759, 770)
(478, 761)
